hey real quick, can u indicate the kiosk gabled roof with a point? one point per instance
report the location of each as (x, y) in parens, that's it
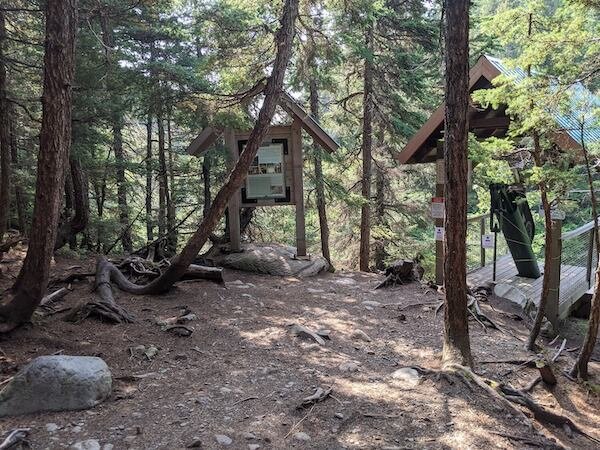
(422, 147)
(209, 135)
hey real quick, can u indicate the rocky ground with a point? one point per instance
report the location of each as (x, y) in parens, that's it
(238, 381)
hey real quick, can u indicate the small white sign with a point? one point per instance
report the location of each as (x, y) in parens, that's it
(437, 208)
(487, 241)
(439, 233)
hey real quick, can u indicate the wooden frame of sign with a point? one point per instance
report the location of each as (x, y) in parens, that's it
(289, 139)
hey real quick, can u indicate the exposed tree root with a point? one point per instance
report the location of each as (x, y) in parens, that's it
(106, 273)
(14, 438)
(107, 307)
(508, 397)
(143, 271)
(100, 309)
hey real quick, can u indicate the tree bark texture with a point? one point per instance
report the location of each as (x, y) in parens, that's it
(379, 253)
(5, 168)
(367, 144)
(457, 349)
(55, 142)
(319, 180)
(180, 263)
(121, 185)
(78, 201)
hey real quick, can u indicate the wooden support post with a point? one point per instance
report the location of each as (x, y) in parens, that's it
(552, 306)
(298, 164)
(234, 202)
(439, 245)
(481, 233)
(590, 257)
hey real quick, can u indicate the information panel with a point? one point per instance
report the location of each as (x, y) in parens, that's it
(265, 177)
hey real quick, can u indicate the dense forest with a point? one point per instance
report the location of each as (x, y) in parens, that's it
(149, 76)
(100, 101)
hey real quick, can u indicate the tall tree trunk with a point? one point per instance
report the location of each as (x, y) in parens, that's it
(149, 218)
(580, 368)
(19, 197)
(541, 310)
(537, 157)
(121, 185)
(180, 263)
(379, 254)
(4, 134)
(77, 194)
(55, 142)
(457, 349)
(108, 40)
(367, 143)
(171, 213)
(319, 181)
(100, 197)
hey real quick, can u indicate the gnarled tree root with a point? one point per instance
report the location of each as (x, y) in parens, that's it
(107, 273)
(102, 310)
(509, 397)
(107, 307)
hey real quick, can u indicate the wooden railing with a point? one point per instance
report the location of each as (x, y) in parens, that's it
(481, 218)
(582, 238)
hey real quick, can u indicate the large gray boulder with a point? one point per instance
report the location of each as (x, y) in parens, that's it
(270, 259)
(57, 383)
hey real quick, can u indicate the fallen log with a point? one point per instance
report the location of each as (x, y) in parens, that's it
(148, 270)
(197, 272)
(55, 296)
(6, 246)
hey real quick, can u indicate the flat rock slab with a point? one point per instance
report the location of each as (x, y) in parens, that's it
(57, 383)
(271, 259)
(407, 375)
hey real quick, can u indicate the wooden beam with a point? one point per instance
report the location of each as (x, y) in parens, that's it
(307, 122)
(489, 123)
(203, 141)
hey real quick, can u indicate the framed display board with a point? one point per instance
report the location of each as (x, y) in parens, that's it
(268, 180)
(265, 177)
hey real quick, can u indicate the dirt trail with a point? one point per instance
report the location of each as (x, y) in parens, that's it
(242, 374)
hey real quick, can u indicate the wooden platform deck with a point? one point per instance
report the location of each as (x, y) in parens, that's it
(573, 282)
